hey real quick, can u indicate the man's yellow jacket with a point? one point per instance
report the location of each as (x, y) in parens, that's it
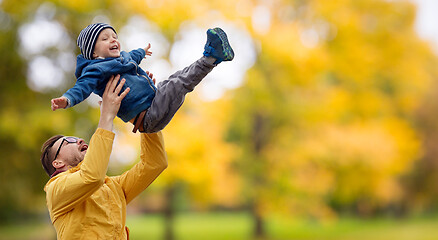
(84, 203)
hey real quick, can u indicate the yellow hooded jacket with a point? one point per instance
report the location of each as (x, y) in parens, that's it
(84, 203)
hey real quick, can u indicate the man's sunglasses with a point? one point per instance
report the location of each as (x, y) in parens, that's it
(68, 140)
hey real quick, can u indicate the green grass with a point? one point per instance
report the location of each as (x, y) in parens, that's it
(33, 230)
(230, 226)
(192, 226)
(356, 229)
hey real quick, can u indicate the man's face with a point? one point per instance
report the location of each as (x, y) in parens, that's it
(107, 44)
(70, 152)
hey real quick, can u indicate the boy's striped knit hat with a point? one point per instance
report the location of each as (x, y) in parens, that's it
(88, 36)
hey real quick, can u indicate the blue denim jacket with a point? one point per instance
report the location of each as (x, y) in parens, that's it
(93, 75)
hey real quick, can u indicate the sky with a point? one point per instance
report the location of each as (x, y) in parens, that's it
(427, 21)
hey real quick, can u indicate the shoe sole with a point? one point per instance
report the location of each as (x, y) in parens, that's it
(228, 51)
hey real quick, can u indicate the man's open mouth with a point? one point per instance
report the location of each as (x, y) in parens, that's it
(84, 148)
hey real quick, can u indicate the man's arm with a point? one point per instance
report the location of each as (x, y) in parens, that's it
(111, 101)
(68, 190)
(153, 161)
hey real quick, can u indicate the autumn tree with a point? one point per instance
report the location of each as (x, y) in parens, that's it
(26, 89)
(324, 120)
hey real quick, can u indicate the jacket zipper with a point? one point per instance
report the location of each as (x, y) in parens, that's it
(150, 85)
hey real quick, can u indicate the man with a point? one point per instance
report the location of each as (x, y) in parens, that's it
(83, 202)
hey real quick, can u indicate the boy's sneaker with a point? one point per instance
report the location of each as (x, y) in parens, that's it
(217, 46)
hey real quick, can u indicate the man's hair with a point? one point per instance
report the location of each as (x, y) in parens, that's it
(47, 155)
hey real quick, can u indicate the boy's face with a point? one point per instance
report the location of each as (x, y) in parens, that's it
(107, 44)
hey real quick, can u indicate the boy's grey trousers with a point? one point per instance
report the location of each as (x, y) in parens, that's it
(170, 94)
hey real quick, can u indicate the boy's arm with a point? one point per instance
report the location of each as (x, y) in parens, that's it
(153, 161)
(84, 86)
(138, 54)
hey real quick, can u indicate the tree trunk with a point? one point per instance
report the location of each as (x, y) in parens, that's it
(259, 141)
(169, 212)
(259, 226)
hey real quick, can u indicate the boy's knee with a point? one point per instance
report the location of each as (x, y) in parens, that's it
(151, 129)
(153, 126)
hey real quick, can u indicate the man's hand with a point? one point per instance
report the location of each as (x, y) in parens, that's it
(146, 49)
(60, 102)
(111, 100)
(151, 76)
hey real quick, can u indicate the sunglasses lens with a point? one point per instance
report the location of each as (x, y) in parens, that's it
(71, 139)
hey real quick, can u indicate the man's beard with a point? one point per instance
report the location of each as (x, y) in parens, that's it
(76, 161)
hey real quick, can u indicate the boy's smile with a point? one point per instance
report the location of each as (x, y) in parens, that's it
(107, 44)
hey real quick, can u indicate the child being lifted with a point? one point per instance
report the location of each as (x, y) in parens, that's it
(148, 107)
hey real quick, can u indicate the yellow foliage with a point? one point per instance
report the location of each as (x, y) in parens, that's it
(365, 157)
(197, 153)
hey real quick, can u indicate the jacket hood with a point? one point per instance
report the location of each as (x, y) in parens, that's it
(81, 63)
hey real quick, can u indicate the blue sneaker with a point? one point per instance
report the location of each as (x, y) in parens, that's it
(217, 46)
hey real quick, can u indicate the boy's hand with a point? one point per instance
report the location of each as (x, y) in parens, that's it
(60, 102)
(146, 49)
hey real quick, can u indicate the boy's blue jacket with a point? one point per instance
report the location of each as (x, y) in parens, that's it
(93, 75)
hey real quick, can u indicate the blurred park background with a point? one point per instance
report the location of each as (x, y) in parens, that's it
(325, 125)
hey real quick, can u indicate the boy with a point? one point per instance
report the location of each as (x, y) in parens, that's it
(148, 107)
